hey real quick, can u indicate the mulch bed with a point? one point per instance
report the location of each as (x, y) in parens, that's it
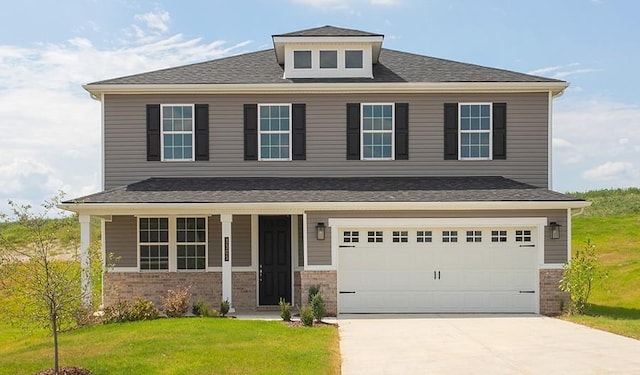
(65, 371)
(298, 323)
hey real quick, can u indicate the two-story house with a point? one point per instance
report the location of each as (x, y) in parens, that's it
(395, 181)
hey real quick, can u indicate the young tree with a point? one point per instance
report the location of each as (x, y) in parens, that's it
(580, 276)
(34, 283)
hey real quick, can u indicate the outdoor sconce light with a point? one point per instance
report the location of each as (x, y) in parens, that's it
(555, 230)
(320, 231)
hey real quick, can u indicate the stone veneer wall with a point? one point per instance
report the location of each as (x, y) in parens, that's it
(206, 286)
(244, 291)
(552, 300)
(328, 282)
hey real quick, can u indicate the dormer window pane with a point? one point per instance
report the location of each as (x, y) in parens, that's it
(353, 59)
(328, 59)
(302, 59)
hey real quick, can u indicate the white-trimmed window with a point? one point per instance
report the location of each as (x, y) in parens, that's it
(353, 59)
(352, 236)
(328, 59)
(498, 236)
(177, 132)
(302, 59)
(423, 236)
(449, 236)
(374, 236)
(191, 243)
(377, 131)
(274, 125)
(474, 236)
(153, 241)
(475, 124)
(400, 236)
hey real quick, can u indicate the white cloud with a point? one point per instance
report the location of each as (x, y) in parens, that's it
(157, 20)
(623, 141)
(345, 5)
(562, 71)
(610, 171)
(50, 127)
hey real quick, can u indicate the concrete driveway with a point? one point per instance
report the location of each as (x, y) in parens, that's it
(480, 344)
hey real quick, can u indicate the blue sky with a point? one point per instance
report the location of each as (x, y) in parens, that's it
(50, 127)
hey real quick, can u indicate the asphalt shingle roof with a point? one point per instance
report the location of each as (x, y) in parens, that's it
(328, 30)
(262, 67)
(316, 189)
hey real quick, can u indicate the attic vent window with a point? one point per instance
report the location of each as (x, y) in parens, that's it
(353, 59)
(302, 59)
(328, 59)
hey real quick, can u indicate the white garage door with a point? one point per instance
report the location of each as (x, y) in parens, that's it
(452, 269)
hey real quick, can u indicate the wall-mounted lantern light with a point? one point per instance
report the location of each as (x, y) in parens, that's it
(555, 230)
(320, 231)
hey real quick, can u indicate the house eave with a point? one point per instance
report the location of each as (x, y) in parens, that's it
(330, 88)
(101, 209)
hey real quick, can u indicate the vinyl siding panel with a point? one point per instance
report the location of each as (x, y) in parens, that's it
(215, 241)
(300, 241)
(320, 251)
(125, 139)
(241, 240)
(121, 240)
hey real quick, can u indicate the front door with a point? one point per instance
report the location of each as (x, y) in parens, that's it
(275, 259)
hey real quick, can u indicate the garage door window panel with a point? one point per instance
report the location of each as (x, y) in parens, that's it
(351, 236)
(375, 236)
(523, 236)
(474, 236)
(424, 236)
(499, 236)
(400, 236)
(449, 236)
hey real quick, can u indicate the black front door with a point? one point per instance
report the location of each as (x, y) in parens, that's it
(275, 259)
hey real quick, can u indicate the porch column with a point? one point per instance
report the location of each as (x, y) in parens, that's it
(226, 257)
(85, 267)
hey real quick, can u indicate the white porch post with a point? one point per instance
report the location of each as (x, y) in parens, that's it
(85, 267)
(226, 258)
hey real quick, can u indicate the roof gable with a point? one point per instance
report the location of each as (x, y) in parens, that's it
(328, 30)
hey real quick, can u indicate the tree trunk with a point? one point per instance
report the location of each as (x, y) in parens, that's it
(54, 326)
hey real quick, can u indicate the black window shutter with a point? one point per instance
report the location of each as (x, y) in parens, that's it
(499, 131)
(299, 132)
(353, 131)
(450, 131)
(153, 132)
(202, 131)
(402, 131)
(250, 132)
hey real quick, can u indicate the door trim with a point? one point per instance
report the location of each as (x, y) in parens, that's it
(258, 253)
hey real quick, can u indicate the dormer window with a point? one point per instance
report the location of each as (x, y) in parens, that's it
(328, 59)
(353, 59)
(302, 59)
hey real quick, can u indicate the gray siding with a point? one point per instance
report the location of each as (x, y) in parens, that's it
(320, 251)
(300, 242)
(241, 240)
(125, 139)
(215, 241)
(121, 240)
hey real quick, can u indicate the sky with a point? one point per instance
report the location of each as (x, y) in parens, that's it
(50, 127)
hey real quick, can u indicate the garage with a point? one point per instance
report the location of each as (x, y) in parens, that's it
(444, 265)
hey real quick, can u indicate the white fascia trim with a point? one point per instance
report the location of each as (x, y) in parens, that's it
(122, 269)
(436, 222)
(331, 88)
(551, 266)
(327, 267)
(298, 208)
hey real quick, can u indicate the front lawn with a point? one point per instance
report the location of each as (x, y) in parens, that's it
(179, 346)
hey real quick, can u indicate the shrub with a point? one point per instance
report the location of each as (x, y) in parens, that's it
(306, 316)
(129, 311)
(285, 310)
(224, 307)
(176, 303)
(579, 277)
(201, 308)
(313, 290)
(318, 306)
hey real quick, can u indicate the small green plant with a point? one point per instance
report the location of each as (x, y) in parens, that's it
(200, 308)
(130, 311)
(285, 310)
(176, 303)
(313, 290)
(580, 276)
(224, 308)
(318, 307)
(306, 316)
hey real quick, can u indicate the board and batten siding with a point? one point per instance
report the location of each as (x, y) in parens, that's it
(125, 158)
(319, 252)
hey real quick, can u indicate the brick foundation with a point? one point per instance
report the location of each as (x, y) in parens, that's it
(206, 286)
(244, 291)
(297, 289)
(552, 300)
(328, 282)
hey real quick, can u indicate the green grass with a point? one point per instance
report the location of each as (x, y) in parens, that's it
(179, 346)
(613, 225)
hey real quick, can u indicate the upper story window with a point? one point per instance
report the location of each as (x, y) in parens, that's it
(353, 59)
(328, 59)
(177, 132)
(377, 131)
(274, 131)
(475, 130)
(302, 59)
